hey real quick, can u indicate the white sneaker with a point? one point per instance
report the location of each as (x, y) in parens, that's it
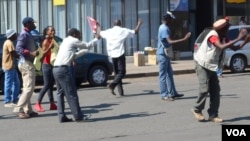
(9, 105)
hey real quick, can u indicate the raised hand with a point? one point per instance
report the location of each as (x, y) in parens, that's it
(187, 35)
(242, 33)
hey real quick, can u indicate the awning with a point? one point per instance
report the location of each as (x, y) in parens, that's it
(236, 1)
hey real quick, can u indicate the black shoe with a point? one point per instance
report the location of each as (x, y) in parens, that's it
(33, 114)
(178, 95)
(65, 119)
(111, 90)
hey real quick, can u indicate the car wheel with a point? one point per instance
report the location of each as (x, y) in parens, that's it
(98, 76)
(238, 64)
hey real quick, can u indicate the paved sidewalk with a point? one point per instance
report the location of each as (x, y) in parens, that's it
(184, 65)
(179, 67)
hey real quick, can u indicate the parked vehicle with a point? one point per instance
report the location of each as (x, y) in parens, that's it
(92, 67)
(237, 60)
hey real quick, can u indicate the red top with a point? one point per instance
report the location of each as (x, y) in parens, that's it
(46, 59)
(214, 38)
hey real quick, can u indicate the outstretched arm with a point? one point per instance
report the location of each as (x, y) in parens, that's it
(170, 41)
(138, 26)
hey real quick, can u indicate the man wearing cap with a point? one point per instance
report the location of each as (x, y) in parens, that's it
(167, 87)
(26, 48)
(11, 82)
(207, 60)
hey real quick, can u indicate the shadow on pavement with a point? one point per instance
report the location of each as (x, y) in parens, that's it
(126, 116)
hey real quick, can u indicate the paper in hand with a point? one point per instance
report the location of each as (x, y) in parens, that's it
(92, 24)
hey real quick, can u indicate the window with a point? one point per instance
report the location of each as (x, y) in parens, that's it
(155, 22)
(130, 18)
(73, 14)
(87, 10)
(33, 11)
(102, 13)
(45, 14)
(59, 20)
(12, 15)
(3, 16)
(143, 13)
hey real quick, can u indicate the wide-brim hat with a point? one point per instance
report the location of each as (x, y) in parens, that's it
(219, 24)
(10, 33)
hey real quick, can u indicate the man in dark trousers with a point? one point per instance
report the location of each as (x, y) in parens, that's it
(63, 76)
(115, 38)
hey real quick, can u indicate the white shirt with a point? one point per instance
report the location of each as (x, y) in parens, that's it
(115, 38)
(68, 50)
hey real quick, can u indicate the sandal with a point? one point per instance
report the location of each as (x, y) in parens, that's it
(23, 115)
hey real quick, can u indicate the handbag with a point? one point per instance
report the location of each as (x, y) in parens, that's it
(37, 61)
(168, 51)
(54, 52)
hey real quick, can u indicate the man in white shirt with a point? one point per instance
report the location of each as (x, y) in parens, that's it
(115, 38)
(63, 77)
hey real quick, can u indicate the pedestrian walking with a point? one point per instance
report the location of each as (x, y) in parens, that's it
(11, 79)
(167, 86)
(115, 38)
(207, 62)
(26, 48)
(48, 44)
(63, 76)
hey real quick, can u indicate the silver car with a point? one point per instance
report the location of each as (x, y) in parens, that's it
(237, 60)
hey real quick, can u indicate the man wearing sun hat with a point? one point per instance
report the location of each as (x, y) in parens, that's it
(27, 50)
(11, 80)
(207, 60)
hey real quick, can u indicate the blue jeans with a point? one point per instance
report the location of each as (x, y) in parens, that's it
(11, 86)
(48, 83)
(219, 71)
(167, 86)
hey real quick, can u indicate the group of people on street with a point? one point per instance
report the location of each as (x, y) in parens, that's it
(56, 67)
(58, 71)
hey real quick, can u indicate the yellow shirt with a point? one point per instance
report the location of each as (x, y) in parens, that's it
(8, 60)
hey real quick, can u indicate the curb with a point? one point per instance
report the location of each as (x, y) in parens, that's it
(149, 74)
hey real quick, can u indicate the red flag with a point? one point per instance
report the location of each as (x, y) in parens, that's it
(92, 24)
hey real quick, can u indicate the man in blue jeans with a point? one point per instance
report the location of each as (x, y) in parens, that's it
(167, 87)
(11, 82)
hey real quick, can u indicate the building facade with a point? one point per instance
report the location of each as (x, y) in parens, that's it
(64, 14)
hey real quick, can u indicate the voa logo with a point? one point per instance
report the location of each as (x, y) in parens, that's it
(236, 132)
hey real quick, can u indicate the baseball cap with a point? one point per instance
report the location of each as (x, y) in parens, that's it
(219, 24)
(169, 14)
(9, 33)
(27, 20)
